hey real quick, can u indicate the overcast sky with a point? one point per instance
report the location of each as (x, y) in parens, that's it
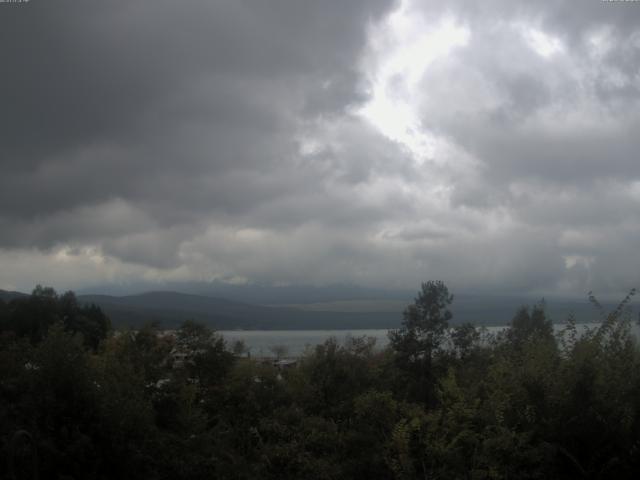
(368, 142)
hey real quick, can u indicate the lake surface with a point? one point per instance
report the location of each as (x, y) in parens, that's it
(261, 342)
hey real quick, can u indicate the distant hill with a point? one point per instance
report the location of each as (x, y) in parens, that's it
(477, 309)
(499, 310)
(259, 294)
(7, 296)
(170, 308)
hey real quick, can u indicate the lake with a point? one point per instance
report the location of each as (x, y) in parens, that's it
(260, 342)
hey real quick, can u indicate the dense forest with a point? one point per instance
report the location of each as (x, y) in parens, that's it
(81, 401)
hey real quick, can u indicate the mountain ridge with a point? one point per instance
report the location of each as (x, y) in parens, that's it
(170, 308)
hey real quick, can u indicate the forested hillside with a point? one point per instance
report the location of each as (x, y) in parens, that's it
(169, 308)
(79, 401)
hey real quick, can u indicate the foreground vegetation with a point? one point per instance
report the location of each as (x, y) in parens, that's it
(78, 401)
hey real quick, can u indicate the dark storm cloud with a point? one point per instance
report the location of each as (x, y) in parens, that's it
(197, 139)
(166, 102)
(81, 73)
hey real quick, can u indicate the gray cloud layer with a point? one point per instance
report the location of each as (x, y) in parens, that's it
(199, 139)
